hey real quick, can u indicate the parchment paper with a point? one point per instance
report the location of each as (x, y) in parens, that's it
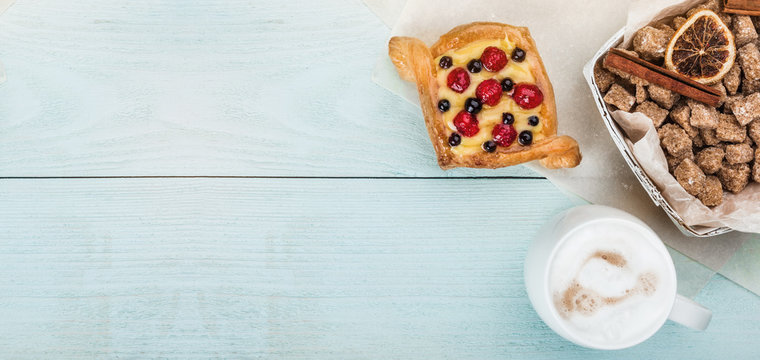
(387, 10)
(568, 35)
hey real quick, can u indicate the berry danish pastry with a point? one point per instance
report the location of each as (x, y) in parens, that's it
(486, 98)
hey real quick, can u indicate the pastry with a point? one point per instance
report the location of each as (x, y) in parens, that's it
(486, 98)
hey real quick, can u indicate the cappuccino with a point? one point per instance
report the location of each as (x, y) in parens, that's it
(609, 283)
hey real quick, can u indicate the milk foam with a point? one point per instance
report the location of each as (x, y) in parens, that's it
(609, 284)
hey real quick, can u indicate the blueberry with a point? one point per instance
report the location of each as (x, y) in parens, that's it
(533, 120)
(455, 139)
(474, 66)
(508, 118)
(489, 146)
(472, 106)
(445, 62)
(444, 105)
(518, 54)
(507, 84)
(525, 138)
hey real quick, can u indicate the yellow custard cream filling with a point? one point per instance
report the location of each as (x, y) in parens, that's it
(489, 116)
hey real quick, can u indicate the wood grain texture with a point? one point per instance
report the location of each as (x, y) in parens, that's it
(203, 87)
(286, 268)
(258, 268)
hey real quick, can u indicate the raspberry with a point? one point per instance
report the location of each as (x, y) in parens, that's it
(466, 124)
(489, 92)
(458, 80)
(527, 96)
(493, 59)
(504, 135)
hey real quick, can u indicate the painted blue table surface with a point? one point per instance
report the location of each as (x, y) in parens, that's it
(221, 179)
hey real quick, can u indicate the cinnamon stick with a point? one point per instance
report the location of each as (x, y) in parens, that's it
(662, 77)
(742, 7)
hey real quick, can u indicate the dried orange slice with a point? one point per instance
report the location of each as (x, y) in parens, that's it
(702, 49)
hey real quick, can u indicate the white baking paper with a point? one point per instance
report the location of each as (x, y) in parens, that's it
(567, 37)
(387, 10)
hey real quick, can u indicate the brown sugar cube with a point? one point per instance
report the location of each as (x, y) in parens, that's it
(749, 59)
(696, 142)
(745, 109)
(667, 29)
(637, 81)
(708, 137)
(689, 155)
(702, 116)
(674, 139)
(749, 86)
(678, 21)
(604, 79)
(619, 97)
(651, 43)
(739, 153)
(654, 112)
(744, 30)
(690, 176)
(734, 177)
(733, 79)
(726, 18)
(666, 130)
(641, 93)
(680, 114)
(754, 131)
(712, 192)
(662, 96)
(710, 159)
(731, 101)
(674, 161)
(671, 161)
(756, 167)
(713, 5)
(729, 129)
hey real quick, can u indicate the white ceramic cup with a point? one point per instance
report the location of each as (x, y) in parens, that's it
(543, 251)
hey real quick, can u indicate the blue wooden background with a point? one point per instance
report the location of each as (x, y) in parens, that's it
(221, 179)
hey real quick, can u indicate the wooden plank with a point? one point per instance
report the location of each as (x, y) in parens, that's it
(289, 268)
(100, 88)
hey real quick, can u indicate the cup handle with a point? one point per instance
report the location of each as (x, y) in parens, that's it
(690, 314)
